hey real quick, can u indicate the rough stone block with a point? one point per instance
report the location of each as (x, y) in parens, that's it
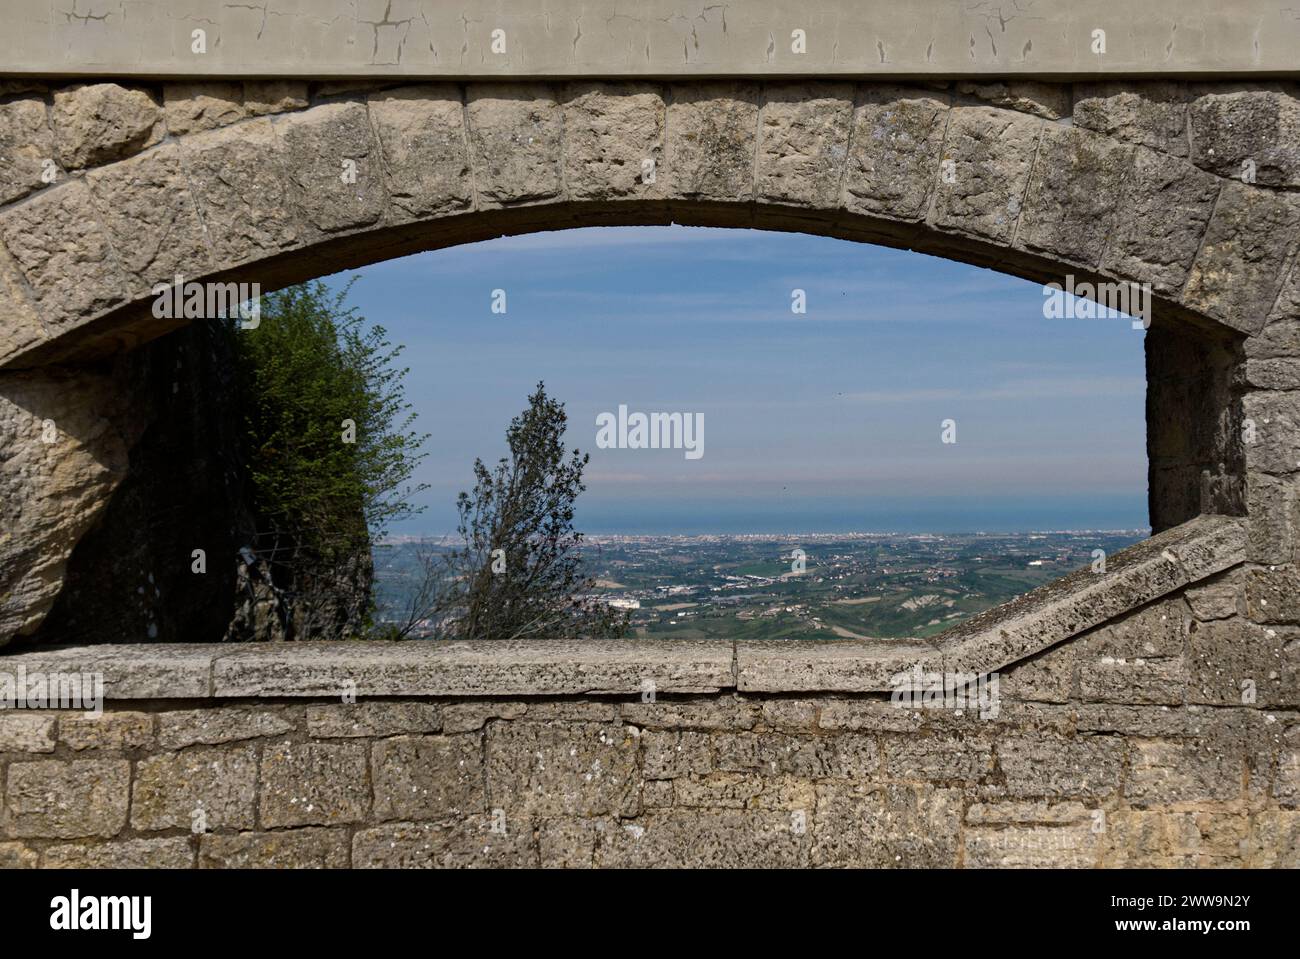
(1236, 275)
(98, 123)
(112, 730)
(582, 769)
(335, 170)
(150, 217)
(894, 151)
(869, 714)
(669, 755)
(242, 191)
(20, 327)
(611, 130)
(17, 855)
(848, 755)
(1234, 660)
(310, 848)
(516, 137)
(1273, 504)
(1047, 678)
(568, 843)
(992, 152)
(1048, 100)
(1282, 373)
(471, 843)
(469, 716)
(1165, 211)
(26, 148)
(937, 757)
(26, 732)
(182, 728)
(1052, 766)
(1273, 595)
(710, 141)
(1152, 114)
(171, 789)
(372, 719)
(421, 131)
(1259, 127)
(171, 853)
(274, 96)
(1138, 659)
(67, 800)
(1214, 600)
(713, 714)
(1030, 846)
(732, 790)
(710, 839)
(314, 784)
(803, 140)
(1167, 771)
(1273, 841)
(861, 825)
(428, 777)
(1070, 209)
(1276, 420)
(63, 249)
(205, 105)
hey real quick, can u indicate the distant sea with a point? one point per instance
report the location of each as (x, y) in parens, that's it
(680, 517)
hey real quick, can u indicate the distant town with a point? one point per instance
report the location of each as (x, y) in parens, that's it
(770, 586)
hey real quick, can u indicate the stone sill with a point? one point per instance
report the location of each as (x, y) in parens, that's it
(990, 641)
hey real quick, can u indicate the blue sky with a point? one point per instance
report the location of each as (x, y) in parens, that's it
(825, 421)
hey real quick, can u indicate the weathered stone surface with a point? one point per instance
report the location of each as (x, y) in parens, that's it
(22, 328)
(992, 152)
(467, 844)
(1164, 771)
(336, 173)
(62, 248)
(67, 800)
(372, 719)
(1030, 846)
(314, 784)
(421, 131)
(515, 136)
(1214, 600)
(848, 665)
(150, 218)
(194, 107)
(1273, 841)
(26, 732)
(1282, 373)
(182, 728)
(1047, 678)
(274, 96)
(1276, 420)
(26, 148)
(469, 716)
(937, 757)
(1070, 209)
(310, 848)
(611, 132)
(1137, 660)
(171, 853)
(866, 826)
(894, 151)
(582, 769)
(1235, 660)
(1274, 505)
(1273, 595)
(112, 730)
(475, 668)
(849, 755)
(428, 777)
(803, 139)
(1053, 766)
(98, 123)
(1233, 130)
(1235, 276)
(242, 191)
(1048, 100)
(214, 788)
(52, 492)
(1166, 208)
(797, 715)
(569, 843)
(1151, 114)
(712, 839)
(710, 141)
(17, 855)
(869, 714)
(670, 755)
(729, 714)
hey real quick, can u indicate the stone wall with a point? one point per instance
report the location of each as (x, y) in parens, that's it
(1167, 735)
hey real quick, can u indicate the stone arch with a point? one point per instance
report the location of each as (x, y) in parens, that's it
(274, 184)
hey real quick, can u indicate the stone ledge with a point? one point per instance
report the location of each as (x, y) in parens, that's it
(993, 640)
